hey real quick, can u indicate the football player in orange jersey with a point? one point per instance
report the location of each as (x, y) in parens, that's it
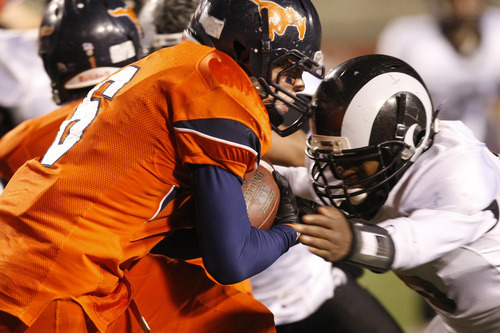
(147, 147)
(32, 138)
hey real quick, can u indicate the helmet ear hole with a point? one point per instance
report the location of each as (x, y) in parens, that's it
(418, 135)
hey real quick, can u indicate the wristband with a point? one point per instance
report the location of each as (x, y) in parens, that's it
(372, 247)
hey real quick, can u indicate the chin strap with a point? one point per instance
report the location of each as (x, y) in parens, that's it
(372, 247)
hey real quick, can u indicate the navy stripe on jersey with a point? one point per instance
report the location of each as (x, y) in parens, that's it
(228, 131)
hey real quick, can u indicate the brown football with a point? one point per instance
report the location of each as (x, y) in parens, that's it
(262, 195)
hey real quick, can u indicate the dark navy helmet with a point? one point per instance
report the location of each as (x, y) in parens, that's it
(84, 41)
(261, 35)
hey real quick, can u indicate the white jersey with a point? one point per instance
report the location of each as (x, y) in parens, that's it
(469, 85)
(296, 284)
(24, 84)
(443, 218)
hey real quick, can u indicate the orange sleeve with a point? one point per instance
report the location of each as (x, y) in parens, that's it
(234, 130)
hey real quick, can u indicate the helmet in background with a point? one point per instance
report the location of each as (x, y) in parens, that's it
(84, 41)
(163, 22)
(372, 118)
(260, 35)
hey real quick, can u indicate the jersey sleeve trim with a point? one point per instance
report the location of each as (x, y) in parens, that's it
(227, 131)
(166, 200)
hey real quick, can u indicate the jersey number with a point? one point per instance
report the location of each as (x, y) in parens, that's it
(72, 129)
(431, 292)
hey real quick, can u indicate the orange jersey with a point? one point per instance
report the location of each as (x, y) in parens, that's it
(116, 178)
(30, 139)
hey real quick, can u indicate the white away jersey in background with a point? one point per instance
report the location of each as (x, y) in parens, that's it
(24, 84)
(470, 85)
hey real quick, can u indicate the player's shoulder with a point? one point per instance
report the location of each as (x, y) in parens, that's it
(227, 81)
(455, 150)
(490, 26)
(190, 50)
(458, 172)
(219, 69)
(492, 15)
(410, 25)
(203, 63)
(456, 135)
(406, 31)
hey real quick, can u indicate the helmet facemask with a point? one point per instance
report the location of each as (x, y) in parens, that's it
(298, 111)
(356, 181)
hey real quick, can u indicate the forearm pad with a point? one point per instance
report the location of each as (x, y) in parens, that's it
(372, 247)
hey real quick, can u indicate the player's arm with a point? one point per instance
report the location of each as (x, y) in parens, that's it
(428, 234)
(231, 248)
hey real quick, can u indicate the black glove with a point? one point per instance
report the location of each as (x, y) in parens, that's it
(288, 211)
(306, 206)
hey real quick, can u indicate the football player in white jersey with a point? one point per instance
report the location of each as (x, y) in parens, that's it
(455, 50)
(405, 192)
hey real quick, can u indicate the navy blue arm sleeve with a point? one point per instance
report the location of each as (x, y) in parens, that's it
(231, 248)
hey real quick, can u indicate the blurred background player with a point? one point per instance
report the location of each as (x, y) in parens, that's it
(24, 85)
(278, 94)
(75, 61)
(405, 192)
(163, 22)
(455, 50)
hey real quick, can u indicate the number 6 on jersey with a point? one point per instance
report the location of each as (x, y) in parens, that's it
(71, 130)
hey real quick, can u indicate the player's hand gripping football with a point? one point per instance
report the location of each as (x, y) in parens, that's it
(291, 208)
(288, 211)
(327, 233)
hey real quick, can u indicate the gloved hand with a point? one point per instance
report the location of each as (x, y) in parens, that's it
(306, 206)
(288, 211)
